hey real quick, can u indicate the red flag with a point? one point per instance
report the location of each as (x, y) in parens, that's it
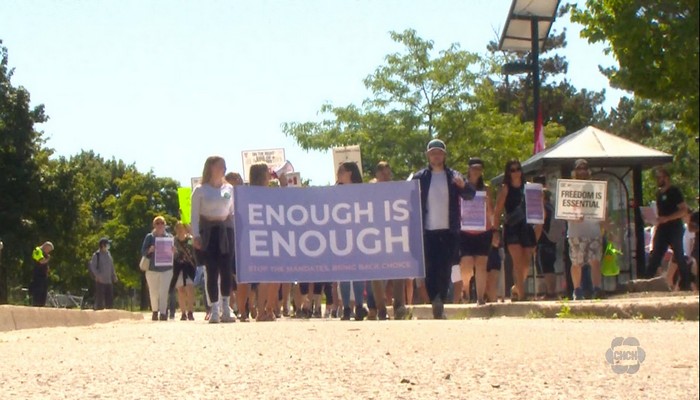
(539, 133)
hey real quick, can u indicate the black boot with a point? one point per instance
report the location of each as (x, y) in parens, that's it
(154, 317)
(360, 313)
(346, 314)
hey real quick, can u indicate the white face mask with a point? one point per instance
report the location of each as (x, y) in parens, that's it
(107, 246)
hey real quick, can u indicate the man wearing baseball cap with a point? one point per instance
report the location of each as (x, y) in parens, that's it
(441, 189)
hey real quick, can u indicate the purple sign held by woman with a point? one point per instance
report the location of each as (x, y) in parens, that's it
(534, 203)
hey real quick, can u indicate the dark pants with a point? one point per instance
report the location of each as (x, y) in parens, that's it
(669, 234)
(39, 288)
(104, 296)
(217, 265)
(440, 253)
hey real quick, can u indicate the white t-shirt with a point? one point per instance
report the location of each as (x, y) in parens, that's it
(211, 203)
(438, 203)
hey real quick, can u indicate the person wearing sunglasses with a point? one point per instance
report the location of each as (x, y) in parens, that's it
(519, 236)
(157, 277)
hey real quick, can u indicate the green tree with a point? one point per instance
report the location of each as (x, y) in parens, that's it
(417, 96)
(657, 125)
(21, 149)
(656, 45)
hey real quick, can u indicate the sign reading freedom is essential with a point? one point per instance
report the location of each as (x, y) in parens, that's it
(581, 198)
(335, 233)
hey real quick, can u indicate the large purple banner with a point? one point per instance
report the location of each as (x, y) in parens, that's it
(337, 233)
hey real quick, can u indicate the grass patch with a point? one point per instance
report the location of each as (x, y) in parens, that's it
(679, 316)
(460, 315)
(533, 314)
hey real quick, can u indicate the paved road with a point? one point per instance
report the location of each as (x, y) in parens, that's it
(496, 358)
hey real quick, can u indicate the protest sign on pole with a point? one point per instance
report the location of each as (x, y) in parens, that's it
(347, 153)
(578, 199)
(274, 158)
(534, 203)
(333, 233)
(474, 212)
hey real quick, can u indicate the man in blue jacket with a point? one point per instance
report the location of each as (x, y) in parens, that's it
(441, 189)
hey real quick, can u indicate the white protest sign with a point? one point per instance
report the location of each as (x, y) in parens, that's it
(346, 153)
(578, 199)
(272, 157)
(294, 179)
(196, 181)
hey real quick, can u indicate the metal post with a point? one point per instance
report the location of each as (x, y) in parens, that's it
(638, 223)
(535, 55)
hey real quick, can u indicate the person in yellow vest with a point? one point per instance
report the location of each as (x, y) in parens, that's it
(40, 276)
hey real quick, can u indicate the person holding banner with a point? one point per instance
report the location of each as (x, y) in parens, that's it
(441, 189)
(238, 295)
(383, 173)
(519, 236)
(212, 225)
(267, 292)
(585, 243)
(476, 235)
(158, 275)
(348, 173)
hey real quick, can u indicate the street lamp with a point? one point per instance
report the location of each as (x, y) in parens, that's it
(527, 27)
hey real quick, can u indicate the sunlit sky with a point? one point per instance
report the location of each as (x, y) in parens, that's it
(164, 84)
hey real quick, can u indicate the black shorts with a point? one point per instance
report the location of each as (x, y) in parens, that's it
(494, 261)
(521, 233)
(546, 257)
(475, 244)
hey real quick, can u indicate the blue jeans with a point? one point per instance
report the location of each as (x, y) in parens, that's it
(359, 290)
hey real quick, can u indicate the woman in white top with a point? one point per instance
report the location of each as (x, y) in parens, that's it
(212, 226)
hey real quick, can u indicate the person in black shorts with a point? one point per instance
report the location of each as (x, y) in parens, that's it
(669, 228)
(475, 245)
(519, 236)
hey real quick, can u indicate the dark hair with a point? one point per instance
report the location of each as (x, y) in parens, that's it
(350, 166)
(663, 171)
(506, 174)
(234, 178)
(480, 185)
(541, 179)
(258, 174)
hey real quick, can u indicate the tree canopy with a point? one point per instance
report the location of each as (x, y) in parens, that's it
(417, 96)
(655, 44)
